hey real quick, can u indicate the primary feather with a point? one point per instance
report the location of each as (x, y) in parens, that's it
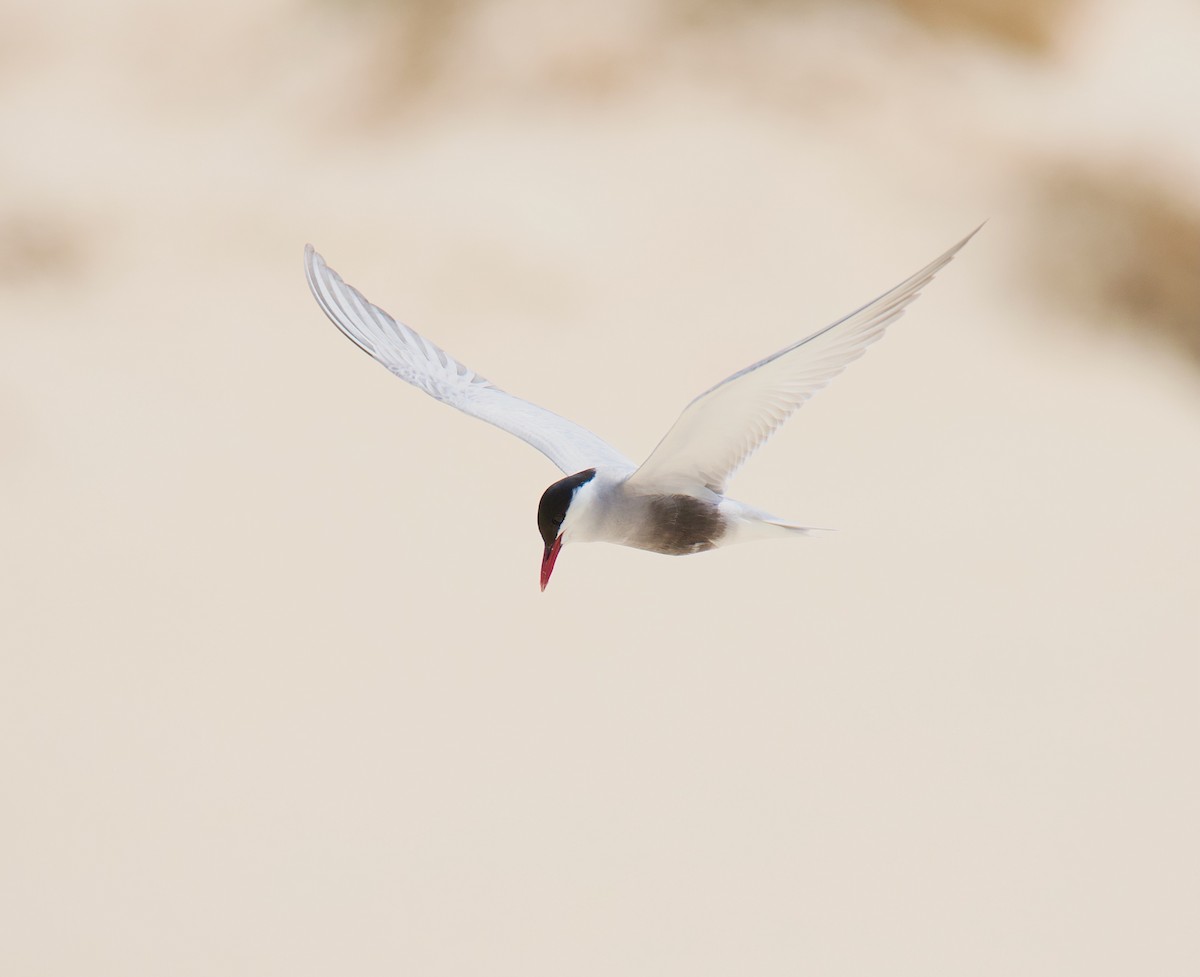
(416, 360)
(722, 427)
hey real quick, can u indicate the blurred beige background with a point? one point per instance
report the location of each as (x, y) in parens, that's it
(278, 692)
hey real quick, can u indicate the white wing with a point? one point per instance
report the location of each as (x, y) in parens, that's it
(722, 427)
(416, 360)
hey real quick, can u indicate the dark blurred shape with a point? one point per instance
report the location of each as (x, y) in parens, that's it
(1120, 246)
(35, 247)
(415, 38)
(418, 44)
(1031, 25)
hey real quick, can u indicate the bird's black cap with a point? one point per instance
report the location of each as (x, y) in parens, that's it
(552, 510)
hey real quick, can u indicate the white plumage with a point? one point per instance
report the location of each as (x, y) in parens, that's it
(675, 502)
(416, 360)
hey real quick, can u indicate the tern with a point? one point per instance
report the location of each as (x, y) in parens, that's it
(675, 501)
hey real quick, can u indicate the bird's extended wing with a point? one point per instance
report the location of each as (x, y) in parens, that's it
(416, 360)
(722, 427)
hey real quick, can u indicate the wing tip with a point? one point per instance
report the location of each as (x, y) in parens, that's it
(312, 260)
(312, 263)
(958, 247)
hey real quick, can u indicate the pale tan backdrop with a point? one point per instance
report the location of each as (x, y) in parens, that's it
(278, 692)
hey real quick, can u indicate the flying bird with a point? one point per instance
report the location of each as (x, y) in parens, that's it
(675, 501)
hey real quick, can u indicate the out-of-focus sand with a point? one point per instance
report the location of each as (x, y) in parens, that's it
(278, 691)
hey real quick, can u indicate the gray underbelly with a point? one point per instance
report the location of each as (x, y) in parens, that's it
(679, 524)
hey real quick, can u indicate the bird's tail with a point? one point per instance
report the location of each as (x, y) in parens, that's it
(793, 527)
(748, 523)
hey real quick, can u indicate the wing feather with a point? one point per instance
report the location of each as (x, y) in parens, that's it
(416, 360)
(722, 427)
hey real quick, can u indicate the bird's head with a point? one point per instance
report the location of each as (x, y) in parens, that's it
(552, 512)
